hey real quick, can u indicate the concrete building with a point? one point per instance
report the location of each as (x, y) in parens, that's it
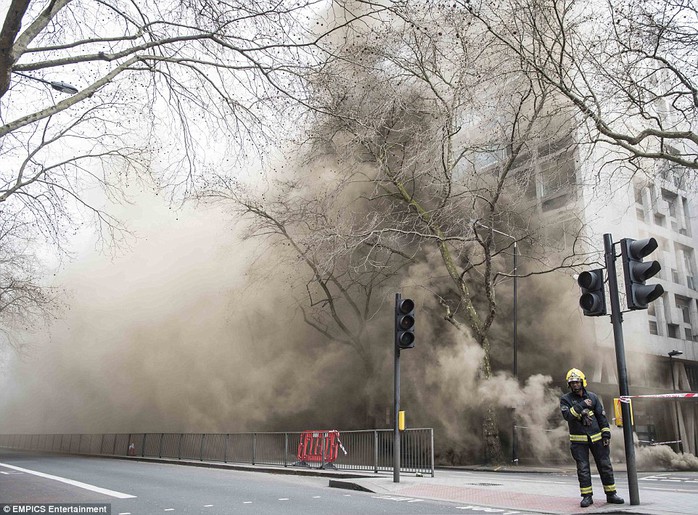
(592, 192)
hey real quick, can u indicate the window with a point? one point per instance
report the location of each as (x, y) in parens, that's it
(653, 328)
(689, 334)
(557, 175)
(675, 276)
(686, 229)
(638, 189)
(673, 331)
(526, 182)
(684, 305)
(679, 180)
(555, 146)
(669, 200)
(651, 309)
(487, 157)
(521, 159)
(692, 373)
(688, 261)
(557, 202)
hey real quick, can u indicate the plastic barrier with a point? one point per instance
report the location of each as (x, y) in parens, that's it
(319, 447)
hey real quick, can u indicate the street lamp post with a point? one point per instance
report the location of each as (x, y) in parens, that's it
(63, 87)
(515, 371)
(514, 438)
(671, 355)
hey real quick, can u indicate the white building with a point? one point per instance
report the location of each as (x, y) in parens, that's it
(604, 196)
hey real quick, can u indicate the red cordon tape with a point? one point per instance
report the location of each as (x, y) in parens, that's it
(627, 398)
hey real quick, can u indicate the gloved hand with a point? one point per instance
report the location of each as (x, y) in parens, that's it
(582, 405)
(587, 419)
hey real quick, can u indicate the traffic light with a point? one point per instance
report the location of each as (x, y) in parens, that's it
(593, 298)
(636, 272)
(404, 323)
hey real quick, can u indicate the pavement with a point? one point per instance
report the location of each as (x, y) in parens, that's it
(510, 497)
(542, 493)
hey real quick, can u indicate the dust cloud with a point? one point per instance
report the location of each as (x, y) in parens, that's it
(170, 335)
(180, 334)
(663, 457)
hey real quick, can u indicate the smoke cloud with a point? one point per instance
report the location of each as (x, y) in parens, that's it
(196, 329)
(663, 457)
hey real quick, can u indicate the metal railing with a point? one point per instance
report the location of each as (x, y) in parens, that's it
(370, 450)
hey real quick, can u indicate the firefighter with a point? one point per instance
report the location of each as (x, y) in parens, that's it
(589, 431)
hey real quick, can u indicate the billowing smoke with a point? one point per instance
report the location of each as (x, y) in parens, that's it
(184, 333)
(172, 335)
(663, 457)
(178, 334)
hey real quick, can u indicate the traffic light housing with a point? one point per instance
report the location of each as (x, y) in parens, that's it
(404, 323)
(593, 298)
(637, 271)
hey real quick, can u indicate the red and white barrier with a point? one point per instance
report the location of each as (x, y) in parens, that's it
(690, 395)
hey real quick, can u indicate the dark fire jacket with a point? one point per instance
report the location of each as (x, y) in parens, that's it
(571, 406)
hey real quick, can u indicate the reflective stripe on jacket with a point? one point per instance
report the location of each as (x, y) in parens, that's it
(572, 405)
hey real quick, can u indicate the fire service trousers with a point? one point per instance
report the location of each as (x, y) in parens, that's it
(602, 457)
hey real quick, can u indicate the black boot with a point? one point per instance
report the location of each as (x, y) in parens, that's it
(586, 501)
(614, 499)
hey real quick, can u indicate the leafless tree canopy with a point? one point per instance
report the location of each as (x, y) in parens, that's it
(93, 94)
(153, 79)
(418, 154)
(26, 303)
(628, 66)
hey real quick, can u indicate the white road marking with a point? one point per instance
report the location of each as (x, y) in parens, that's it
(67, 481)
(247, 502)
(208, 505)
(398, 499)
(284, 499)
(316, 497)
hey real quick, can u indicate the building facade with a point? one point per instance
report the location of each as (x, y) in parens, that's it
(597, 193)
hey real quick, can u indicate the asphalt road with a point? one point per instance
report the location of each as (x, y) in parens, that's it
(135, 487)
(147, 488)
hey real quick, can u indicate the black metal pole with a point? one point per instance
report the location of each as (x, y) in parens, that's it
(617, 321)
(514, 438)
(396, 403)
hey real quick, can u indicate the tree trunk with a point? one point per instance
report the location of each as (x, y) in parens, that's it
(490, 427)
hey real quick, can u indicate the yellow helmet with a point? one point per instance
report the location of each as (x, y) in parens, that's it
(574, 374)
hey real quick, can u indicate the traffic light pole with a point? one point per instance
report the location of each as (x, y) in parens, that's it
(617, 321)
(396, 401)
(404, 339)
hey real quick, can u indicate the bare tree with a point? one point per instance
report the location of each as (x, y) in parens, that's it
(428, 133)
(628, 67)
(172, 90)
(148, 83)
(25, 301)
(337, 293)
